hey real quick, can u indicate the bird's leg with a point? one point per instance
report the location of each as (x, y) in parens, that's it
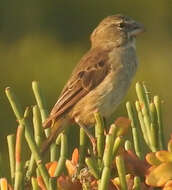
(92, 139)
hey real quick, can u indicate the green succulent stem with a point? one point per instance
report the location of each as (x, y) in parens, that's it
(93, 167)
(128, 145)
(107, 160)
(28, 134)
(99, 133)
(137, 183)
(82, 148)
(40, 99)
(11, 150)
(157, 103)
(147, 118)
(154, 127)
(39, 137)
(118, 142)
(34, 184)
(135, 133)
(53, 183)
(121, 172)
(63, 155)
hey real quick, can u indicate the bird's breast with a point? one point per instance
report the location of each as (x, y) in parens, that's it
(108, 94)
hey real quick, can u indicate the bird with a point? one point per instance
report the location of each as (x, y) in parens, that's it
(101, 78)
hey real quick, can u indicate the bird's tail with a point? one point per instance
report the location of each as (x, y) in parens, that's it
(57, 128)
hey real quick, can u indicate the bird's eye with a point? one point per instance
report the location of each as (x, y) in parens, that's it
(122, 25)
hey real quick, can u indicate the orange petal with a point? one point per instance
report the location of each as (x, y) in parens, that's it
(10, 187)
(71, 168)
(52, 168)
(41, 183)
(47, 165)
(168, 185)
(164, 156)
(3, 184)
(75, 156)
(152, 159)
(160, 175)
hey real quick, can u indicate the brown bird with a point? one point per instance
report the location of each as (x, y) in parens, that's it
(101, 78)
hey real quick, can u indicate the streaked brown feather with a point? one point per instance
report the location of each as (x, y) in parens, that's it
(88, 74)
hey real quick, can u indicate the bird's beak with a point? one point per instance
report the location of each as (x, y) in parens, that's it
(137, 28)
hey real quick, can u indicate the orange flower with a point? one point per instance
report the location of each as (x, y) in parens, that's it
(3, 184)
(64, 182)
(160, 172)
(71, 165)
(51, 166)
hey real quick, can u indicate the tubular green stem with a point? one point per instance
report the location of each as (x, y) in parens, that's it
(147, 93)
(118, 142)
(82, 148)
(38, 135)
(121, 172)
(37, 124)
(142, 98)
(137, 183)
(93, 167)
(63, 155)
(107, 157)
(113, 130)
(64, 145)
(145, 111)
(28, 134)
(154, 127)
(53, 183)
(143, 101)
(11, 149)
(34, 184)
(18, 184)
(53, 152)
(99, 124)
(104, 183)
(99, 133)
(107, 161)
(128, 145)
(136, 141)
(157, 103)
(132, 117)
(144, 128)
(31, 168)
(58, 145)
(40, 100)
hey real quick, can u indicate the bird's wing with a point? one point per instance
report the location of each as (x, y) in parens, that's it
(89, 73)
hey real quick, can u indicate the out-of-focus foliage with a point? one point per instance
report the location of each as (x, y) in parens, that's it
(43, 40)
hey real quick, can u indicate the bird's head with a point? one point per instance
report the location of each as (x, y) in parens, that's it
(116, 29)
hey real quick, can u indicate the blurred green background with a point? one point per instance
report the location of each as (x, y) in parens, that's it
(43, 40)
